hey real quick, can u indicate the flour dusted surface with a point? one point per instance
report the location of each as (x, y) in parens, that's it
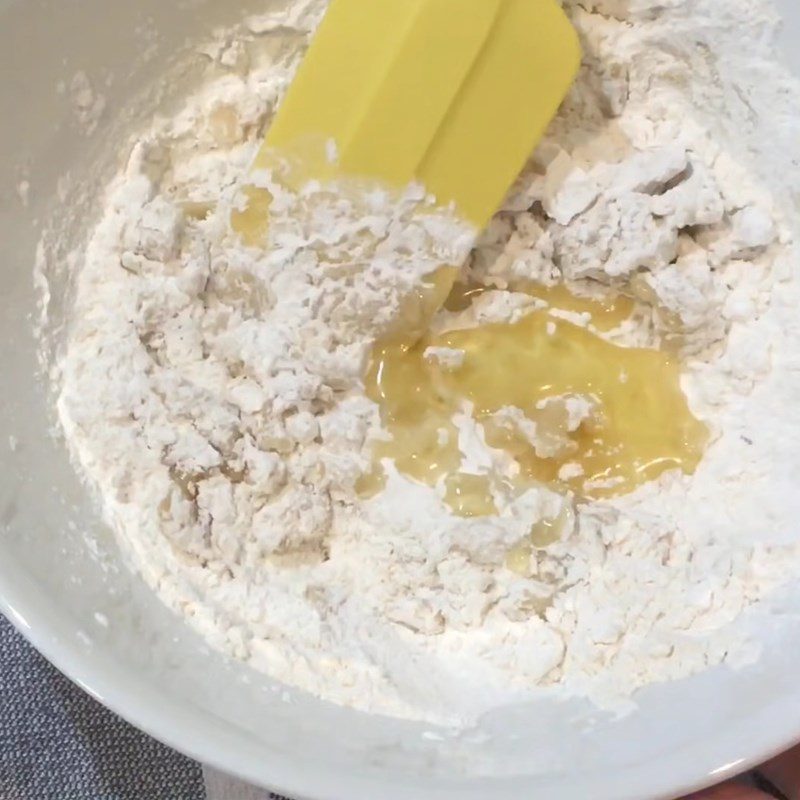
(212, 392)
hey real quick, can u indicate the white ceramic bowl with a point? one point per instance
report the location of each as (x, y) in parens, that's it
(59, 566)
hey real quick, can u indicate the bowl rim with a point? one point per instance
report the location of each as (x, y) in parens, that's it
(150, 709)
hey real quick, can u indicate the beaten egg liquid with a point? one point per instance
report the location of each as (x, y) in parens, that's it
(638, 427)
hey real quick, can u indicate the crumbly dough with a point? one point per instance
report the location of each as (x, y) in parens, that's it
(211, 393)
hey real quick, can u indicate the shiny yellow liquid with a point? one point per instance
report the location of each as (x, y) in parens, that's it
(640, 425)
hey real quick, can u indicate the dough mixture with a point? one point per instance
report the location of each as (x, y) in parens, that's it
(433, 561)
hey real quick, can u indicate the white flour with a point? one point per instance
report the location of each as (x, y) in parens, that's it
(211, 393)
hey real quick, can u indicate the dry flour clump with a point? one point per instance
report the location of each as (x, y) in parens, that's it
(212, 392)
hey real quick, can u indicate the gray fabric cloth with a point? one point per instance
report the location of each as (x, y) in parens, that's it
(57, 743)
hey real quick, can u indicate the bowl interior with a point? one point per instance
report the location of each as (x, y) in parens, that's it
(60, 573)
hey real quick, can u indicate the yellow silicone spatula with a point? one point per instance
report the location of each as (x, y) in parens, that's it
(454, 94)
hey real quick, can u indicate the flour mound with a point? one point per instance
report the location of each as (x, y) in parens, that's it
(212, 392)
